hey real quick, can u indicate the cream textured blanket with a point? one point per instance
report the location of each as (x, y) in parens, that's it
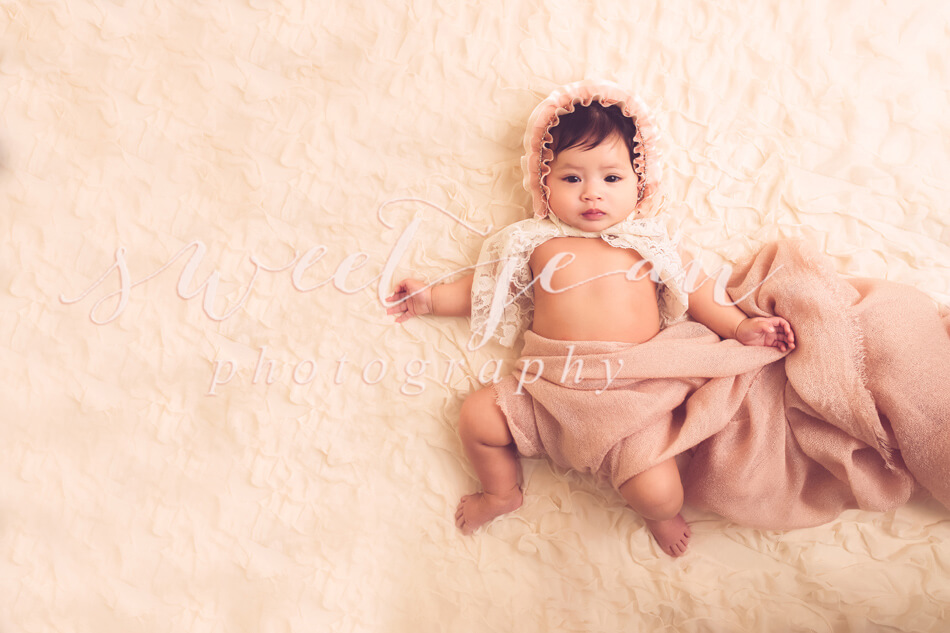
(857, 416)
(133, 500)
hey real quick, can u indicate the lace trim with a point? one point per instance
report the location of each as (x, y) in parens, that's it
(503, 289)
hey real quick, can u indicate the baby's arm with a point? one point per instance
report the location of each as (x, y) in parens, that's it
(728, 321)
(417, 298)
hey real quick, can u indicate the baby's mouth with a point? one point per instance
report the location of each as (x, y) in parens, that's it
(593, 214)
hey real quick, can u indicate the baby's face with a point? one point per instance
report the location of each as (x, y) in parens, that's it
(593, 189)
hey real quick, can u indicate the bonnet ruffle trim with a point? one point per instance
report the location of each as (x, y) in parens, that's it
(538, 154)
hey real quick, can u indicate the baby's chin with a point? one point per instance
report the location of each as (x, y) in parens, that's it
(596, 225)
(601, 225)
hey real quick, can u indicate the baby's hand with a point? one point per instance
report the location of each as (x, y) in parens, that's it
(415, 299)
(767, 331)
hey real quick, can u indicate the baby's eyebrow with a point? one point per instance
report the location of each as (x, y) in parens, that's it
(569, 166)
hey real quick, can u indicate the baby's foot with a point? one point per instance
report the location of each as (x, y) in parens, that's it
(480, 508)
(671, 534)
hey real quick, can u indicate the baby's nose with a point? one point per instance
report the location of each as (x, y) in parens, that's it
(591, 192)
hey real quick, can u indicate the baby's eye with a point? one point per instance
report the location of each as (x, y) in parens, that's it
(613, 178)
(571, 179)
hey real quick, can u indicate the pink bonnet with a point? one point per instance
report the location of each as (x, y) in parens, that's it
(538, 154)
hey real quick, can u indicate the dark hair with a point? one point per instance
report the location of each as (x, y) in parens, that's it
(588, 126)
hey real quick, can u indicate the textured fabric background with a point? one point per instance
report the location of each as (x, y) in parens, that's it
(316, 492)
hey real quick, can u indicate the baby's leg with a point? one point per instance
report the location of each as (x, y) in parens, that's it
(491, 450)
(657, 494)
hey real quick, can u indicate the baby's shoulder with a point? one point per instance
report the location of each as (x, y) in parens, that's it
(544, 251)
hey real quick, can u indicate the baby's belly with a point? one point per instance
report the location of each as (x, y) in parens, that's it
(592, 298)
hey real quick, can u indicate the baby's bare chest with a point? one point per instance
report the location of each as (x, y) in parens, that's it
(576, 261)
(583, 291)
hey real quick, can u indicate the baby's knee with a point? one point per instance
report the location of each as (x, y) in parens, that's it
(658, 505)
(654, 496)
(482, 420)
(664, 503)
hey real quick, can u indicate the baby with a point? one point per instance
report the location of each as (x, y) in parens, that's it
(593, 170)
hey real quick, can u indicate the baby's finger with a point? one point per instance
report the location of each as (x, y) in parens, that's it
(787, 344)
(789, 334)
(399, 307)
(777, 341)
(405, 316)
(398, 292)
